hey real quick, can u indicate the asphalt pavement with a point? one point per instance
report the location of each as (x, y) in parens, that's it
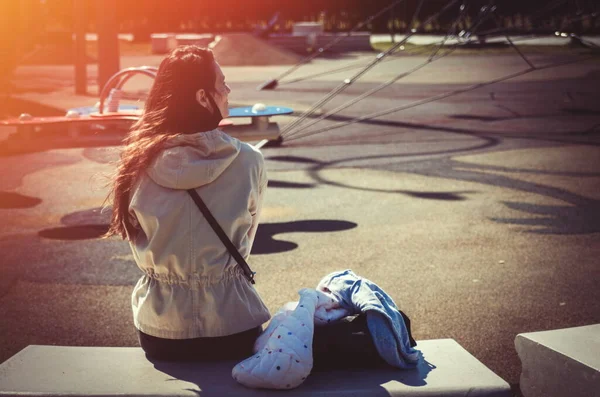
(479, 213)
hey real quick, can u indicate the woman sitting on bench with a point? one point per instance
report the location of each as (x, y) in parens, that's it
(193, 301)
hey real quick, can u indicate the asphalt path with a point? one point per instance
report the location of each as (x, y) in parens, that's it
(478, 213)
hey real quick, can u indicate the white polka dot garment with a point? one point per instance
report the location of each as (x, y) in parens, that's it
(283, 356)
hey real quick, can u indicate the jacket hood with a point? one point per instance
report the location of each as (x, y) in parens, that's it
(193, 160)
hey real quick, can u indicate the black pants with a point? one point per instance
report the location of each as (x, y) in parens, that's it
(237, 346)
(345, 344)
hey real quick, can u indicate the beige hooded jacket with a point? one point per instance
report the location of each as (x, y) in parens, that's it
(191, 285)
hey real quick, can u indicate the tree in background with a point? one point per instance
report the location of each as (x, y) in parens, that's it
(204, 16)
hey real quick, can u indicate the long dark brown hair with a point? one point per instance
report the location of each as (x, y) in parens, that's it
(170, 110)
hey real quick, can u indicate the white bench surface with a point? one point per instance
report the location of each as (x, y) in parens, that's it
(447, 370)
(562, 362)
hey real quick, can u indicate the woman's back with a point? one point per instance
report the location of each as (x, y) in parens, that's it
(192, 287)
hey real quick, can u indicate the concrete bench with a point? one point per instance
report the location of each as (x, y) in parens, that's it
(307, 28)
(357, 41)
(296, 44)
(564, 362)
(202, 40)
(162, 43)
(447, 370)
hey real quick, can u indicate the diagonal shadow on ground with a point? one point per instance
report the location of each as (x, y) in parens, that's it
(580, 215)
(290, 185)
(555, 219)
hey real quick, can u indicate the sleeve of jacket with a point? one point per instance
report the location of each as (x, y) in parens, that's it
(256, 207)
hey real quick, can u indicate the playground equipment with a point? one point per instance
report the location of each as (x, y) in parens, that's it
(108, 121)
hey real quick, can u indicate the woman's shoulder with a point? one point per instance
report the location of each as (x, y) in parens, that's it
(250, 151)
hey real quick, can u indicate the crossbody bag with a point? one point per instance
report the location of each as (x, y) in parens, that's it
(222, 236)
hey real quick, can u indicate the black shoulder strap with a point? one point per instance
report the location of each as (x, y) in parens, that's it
(226, 241)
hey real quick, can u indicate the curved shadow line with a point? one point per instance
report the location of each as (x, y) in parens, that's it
(526, 170)
(563, 141)
(556, 219)
(542, 135)
(559, 137)
(580, 218)
(429, 127)
(314, 172)
(504, 181)
(567, 138)
(486, 119)
(452, 170)
(405, 124)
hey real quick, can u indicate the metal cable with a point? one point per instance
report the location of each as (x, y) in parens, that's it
(531, 65)
(332, 71)
(387, 83)
(488, 12)
(482, 17)
(351, 80)
(337, 40)
(420, 51)
(345, 84)
(437, 97)
(585, 42)
(538, 13)
(288, 133)
(352, 66)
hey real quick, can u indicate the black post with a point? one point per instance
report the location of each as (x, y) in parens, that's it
(108, 41)
(9, 48)
(392, 27)
(79, 27)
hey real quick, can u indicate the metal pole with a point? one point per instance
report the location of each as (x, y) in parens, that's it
(392, 27)
(108, 41)
(23, 44)
(79, 27)
(9, 48)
